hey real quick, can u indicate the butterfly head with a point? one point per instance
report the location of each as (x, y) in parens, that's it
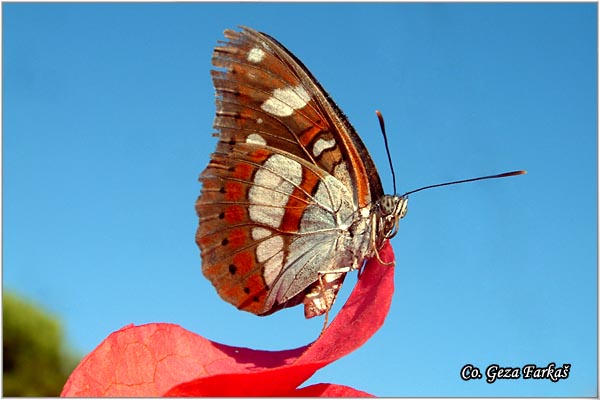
(391, 209)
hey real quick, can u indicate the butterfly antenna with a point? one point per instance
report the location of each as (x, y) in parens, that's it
(504, 175)
(387, 148)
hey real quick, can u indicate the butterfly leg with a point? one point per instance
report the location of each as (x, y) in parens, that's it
(374, 244)
(329, 292)
(326, 319)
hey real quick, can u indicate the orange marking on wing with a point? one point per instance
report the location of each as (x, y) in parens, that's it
(260, 155)
(237, 238)
(254, 295)
(243, 171)
(244, 262)
(308, 135)
(297, 203)
(234, 191)
(234, 214)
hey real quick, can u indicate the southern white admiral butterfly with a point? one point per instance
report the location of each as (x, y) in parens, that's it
(291, 199)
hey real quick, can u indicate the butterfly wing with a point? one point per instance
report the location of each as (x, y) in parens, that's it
(285, 184)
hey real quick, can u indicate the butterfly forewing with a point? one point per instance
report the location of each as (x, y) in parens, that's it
(285, 185)
(264, 91)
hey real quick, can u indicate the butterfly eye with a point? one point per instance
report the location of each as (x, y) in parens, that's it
(390, 205)
(386, 205)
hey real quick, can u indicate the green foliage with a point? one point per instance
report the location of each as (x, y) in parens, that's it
(35, 362)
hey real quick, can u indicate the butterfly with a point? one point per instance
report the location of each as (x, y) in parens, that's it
(291, 200)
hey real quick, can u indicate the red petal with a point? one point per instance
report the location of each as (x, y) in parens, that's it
(165, 359)
(147, 360)
(330, 390)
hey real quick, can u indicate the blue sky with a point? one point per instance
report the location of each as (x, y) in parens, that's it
(107, 122)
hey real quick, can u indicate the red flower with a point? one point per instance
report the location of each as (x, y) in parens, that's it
(166, 360)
